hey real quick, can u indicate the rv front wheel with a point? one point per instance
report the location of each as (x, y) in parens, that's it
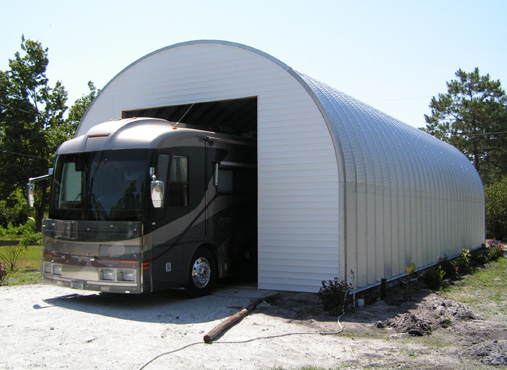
(202, 273)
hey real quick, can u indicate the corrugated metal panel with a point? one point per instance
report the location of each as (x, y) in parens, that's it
(298, 203)
(408, 196)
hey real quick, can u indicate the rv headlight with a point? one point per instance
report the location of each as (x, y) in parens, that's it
(107, 274)
(46, 267)
(128, 275)
(57, 269)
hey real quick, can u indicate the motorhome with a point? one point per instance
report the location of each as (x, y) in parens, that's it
(144, 204)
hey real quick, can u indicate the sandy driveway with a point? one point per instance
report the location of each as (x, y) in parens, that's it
(49, 327)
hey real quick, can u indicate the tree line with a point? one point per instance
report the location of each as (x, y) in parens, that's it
(472, 116)
(35, 120)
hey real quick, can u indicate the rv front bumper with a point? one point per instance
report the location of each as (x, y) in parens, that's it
(113, 277)
(99, 256)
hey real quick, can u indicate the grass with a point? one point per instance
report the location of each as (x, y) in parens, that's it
(485, 289)
(27, 268)
(20, 277)
(30, 260)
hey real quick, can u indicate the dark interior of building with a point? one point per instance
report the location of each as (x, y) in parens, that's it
(237, 116)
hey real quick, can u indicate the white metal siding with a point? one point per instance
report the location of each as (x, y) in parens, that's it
(298, 203)
(409, 198)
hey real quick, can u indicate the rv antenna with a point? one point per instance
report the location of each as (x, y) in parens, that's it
(184, 114)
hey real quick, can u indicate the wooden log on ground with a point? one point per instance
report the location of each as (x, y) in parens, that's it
(231, 320)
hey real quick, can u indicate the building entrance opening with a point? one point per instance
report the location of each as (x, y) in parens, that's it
(235, 117)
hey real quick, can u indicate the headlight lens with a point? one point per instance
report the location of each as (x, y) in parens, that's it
(46, 267)
(128, 275)
(107, 274)
(57, 269)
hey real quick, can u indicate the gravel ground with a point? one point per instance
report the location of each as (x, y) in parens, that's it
(45, 326)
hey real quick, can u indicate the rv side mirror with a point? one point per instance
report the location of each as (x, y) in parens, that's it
(30, 188)
(157, 193)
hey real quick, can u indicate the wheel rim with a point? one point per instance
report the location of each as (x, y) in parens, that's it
(201, 272)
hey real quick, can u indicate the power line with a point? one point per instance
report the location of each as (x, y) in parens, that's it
(22, 154)
(19, 109)
(476, 134)
(484, 133)
(401, 99)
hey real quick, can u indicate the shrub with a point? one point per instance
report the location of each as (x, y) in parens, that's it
(29, 234)
(449, 267)
(14, 210)
(482, 256)
(334, 295)
(3, 273)
(495, 251)
(11, 253)
(434, 277)
(463, 262)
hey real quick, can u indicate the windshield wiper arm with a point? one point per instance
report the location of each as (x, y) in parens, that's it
(98, 210)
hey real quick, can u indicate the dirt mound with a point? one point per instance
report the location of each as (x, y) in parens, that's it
(493, 352)
(432, 313)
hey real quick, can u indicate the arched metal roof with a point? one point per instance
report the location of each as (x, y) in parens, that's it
(436, 191)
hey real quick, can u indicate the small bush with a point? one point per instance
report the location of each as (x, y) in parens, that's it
(463, 262)
(14, 210)
(3, 273)
(482, 256)
(11, 253)
(449, 267)
(334, 295)
(494, 250)
(29, 234)
(434, 277)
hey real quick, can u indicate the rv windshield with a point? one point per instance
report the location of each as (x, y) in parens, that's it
(108, 185)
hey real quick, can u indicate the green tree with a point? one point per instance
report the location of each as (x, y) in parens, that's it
(496, 209)
(32, 124)
(14, 209)
(472, 116)
(77, 111)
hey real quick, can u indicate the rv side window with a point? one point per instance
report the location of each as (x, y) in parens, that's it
(225, 181)
(178, 182)
(162, 167)
(71, 188)
(236, 181)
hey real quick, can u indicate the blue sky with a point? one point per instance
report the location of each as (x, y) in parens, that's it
(393, 55)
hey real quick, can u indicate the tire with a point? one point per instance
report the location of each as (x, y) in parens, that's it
(202, 273)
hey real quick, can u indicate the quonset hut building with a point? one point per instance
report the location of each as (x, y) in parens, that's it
(342, 187)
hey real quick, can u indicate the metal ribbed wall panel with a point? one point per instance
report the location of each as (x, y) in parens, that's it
(409, 198)
(342, 186)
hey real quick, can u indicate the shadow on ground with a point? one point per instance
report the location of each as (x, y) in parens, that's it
(229, 297)
(169, 307)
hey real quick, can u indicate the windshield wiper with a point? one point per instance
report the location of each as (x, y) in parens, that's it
(74, 204)
(99, 213)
